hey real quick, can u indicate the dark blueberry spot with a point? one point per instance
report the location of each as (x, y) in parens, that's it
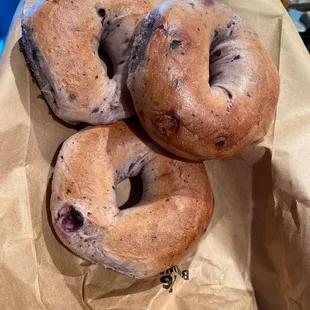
(113, 187)
(249, 95)
(101, 13)
(161, 26)
(68, 191)
(95, 110)
(72, 97)
(118, 25)
(114, 106)
(198, 29)
(209, 2)
(220, 143)
(151, 24)
(35, 55)
(122, 62)
(192, 5)
(237, 57)
(167, 124)
(61, 157)
(218, 53)
(97, 77)
(175, 44)
(70, 219)
(109, 23)
(229, 25)
(182, 53)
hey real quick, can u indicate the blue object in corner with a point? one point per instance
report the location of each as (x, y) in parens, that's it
(1, 45)
(7, 10)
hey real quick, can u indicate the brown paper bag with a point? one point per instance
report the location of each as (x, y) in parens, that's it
(255, 254)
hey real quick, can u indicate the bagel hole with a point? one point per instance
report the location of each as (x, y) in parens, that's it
(101, 13)
(104, 56)
(129, 192)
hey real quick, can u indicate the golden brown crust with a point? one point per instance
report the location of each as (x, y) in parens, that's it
(187, 111)
(61, 39)
(142, 241)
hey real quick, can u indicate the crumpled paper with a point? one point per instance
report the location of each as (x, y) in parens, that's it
(256, 252)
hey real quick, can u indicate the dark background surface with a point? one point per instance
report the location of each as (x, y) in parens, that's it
(7, 10)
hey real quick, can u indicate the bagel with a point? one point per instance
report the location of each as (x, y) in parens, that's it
(202, 83)
(141, 241)
(61, 39)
